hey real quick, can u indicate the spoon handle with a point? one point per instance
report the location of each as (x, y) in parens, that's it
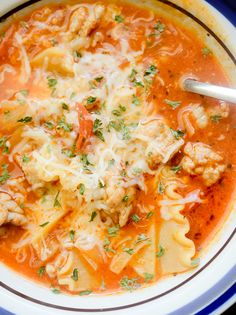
(215, 91)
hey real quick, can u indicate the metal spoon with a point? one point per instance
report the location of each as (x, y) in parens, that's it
(215, 91)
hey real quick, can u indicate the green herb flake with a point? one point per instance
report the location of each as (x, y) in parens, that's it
(65, 106)
(142, 238)
(56, 201)
(206, 51)
(176, 169)
(216, 118)
(129, 284)
(85, 292)
(133, 75)
(25, 120)
(129, 251)
(148, 277)
(93, 216)
(72, 235)
(97, 129)
(25, 159)
(172, 104)
(49, 125)
(101, 184)
(24, 92)
(138, 83)
(62, 124)
(177, 133)
(85, 161)
(5, 174)
(81, 189)
(119, 19)
(44, 224)
(160, 188)
(136, 101)
(149, 215)
(75, 275)
(91, 100)
(151, 71)
(159, 27)
(99, 79)
(55, 291)
(41, 271)
(160, 252)
(112, 231)
(4, 145)
(125, 198)
(52, 82)
(135, 218)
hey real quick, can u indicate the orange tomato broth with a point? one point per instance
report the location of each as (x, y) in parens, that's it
(204, 218)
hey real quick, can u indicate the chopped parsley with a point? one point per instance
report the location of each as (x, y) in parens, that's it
(129, 251)
(25, 120)
(56, 291)
(129, 284)
(125, 198)
(142, 238)
(177, 133)
(119, 18)
(3, 145)
(206, 51)
(99, 79)
(25, 159)
(72, 235)
(70, 153)
(24, 92)
(216, 118)
(101, 184)
(93, 216)
(106, 246)
(56, 201)
(75, 275)
(172, 104)
(138, 83)
(152, 70)
(41, 271)
(65, 106)
(160, 252)
(136, 101)
(52, 82)
(62, 124)
(54, 42)
(49, 125)
(44, 224)
(160, 188)
(85, 161)
(97, 129)
(77, 55)
(81, 189)
(112, 231)
(133, 75)
(176, 169)
(91, 100)
(149, 214)
(148, 277)
(85, 292)
(135, 218)
(5, 174)
(159, 27)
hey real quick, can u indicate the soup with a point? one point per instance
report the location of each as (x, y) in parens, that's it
(112, 177)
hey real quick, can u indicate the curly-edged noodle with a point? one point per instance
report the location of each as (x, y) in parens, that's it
(86, 279)
(55, 60)
(178, 249)
(145, 261)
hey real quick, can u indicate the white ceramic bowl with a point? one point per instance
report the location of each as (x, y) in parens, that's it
(187, 293)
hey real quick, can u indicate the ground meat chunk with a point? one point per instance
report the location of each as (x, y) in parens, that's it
(119, 202)
(10, 212)
(201, 160)
(163, 144)
(83, 21)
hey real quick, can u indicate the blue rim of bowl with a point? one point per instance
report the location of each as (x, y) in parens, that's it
(201, 304)
(227, 8)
